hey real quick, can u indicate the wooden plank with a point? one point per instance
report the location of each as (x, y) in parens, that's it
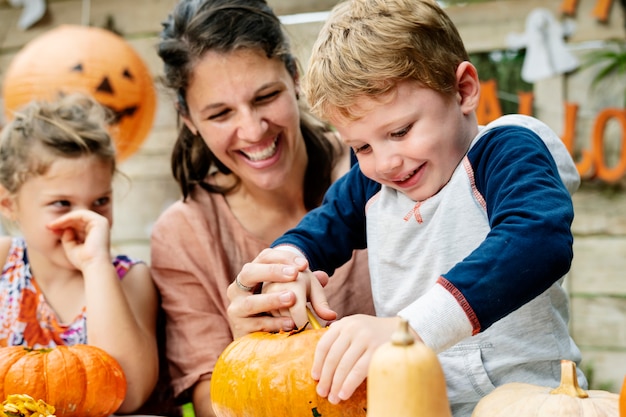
(609, 368)
(599, 322)
(592, 216)
(598, 266)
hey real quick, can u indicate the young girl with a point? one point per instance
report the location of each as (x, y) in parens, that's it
(57, 163)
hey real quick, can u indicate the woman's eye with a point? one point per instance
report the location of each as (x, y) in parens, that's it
(218, 115)
(402, 132)
(267, 97)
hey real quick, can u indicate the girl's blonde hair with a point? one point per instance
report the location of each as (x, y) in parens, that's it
(367, 46)
(72, 126)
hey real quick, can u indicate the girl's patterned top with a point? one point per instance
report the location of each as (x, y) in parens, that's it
(26, 319)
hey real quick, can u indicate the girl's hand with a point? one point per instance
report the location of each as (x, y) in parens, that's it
(343, 353)
(85, 236)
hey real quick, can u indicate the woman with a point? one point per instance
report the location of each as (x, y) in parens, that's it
(250, 164)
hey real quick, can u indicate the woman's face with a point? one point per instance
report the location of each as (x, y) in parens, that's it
(244, 106)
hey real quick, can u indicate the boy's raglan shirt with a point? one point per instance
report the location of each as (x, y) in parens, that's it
(458, 262)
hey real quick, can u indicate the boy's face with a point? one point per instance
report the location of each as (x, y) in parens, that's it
(411, 140)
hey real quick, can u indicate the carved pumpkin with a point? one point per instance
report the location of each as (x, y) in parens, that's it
(79, 381)
(269, 374)
(405, 379)
(93, 61)
(568, 399)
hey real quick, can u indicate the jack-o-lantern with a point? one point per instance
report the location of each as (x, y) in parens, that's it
(72, 58)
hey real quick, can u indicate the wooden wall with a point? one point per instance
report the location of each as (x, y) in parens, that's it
(596, 282)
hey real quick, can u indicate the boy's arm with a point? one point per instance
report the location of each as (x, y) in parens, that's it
(528, 248)
(327, 235)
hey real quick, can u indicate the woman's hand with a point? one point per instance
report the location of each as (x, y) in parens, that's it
(249, 312)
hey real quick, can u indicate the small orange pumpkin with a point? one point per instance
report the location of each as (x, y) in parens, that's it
(79, 380)
(269, 374)
(568, 399)
(90, 60)
(622, 400)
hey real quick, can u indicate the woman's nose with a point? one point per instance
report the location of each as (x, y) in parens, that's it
(252, 125)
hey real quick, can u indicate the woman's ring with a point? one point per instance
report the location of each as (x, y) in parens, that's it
(243, 287)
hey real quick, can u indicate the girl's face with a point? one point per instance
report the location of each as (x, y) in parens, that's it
(70, 184)
(244, 106)
(414, 139)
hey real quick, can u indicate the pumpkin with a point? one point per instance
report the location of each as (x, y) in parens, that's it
(528, 400)
(73, 58)
(79, 380)
(269, 374)
(405, 379)
(622, 400)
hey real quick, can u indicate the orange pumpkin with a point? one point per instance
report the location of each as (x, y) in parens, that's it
(93, 61)
(622, 400)
(269, 374)
(79, 381)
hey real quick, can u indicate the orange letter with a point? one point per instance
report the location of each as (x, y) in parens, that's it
(525, 103)
(585, 166)
(488, 104)
(603, 172)
(568, 7)
(601, 11)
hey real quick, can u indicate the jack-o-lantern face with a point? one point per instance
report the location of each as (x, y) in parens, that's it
(89, 60)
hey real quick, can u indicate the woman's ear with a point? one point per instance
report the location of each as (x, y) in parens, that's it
(468, 87)
(189, 125)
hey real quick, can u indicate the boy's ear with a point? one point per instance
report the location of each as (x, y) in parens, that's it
(468, 86)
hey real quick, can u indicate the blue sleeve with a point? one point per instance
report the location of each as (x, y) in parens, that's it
(530, 212)
(328, 234)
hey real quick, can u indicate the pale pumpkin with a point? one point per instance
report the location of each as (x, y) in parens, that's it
(79, 381)
(622, 400)
(568, 399)
(405, 379)
(269, 374)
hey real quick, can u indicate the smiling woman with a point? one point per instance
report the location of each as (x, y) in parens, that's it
(250, 162)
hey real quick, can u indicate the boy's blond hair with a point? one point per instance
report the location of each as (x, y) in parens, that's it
(367, 46)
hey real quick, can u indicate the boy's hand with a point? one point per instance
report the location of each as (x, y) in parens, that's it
(85, 236)
(343, 353)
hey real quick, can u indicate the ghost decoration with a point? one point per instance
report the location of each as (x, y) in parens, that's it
(90, 60)
(33, 11)
(546, 51)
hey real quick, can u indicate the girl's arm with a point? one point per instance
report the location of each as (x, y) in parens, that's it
(121, 314)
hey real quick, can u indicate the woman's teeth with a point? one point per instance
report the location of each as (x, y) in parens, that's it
(263, 153)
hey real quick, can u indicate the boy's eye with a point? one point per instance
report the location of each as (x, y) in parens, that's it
(402, 132)
(361, 149)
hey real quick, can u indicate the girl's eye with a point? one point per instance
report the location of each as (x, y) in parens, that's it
(402, 132)
(361, 149)
(102, 201)
(61, 203)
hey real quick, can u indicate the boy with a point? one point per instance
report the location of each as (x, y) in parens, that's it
(467, 226)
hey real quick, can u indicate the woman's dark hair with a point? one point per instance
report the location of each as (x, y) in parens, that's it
(197, 26)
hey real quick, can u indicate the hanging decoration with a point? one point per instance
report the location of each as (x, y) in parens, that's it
(33, 11)
(546, 52)
(72, 58)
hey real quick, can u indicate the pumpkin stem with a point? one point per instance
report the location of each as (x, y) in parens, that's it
(401, 336)
(314, 323)
(569, 381)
